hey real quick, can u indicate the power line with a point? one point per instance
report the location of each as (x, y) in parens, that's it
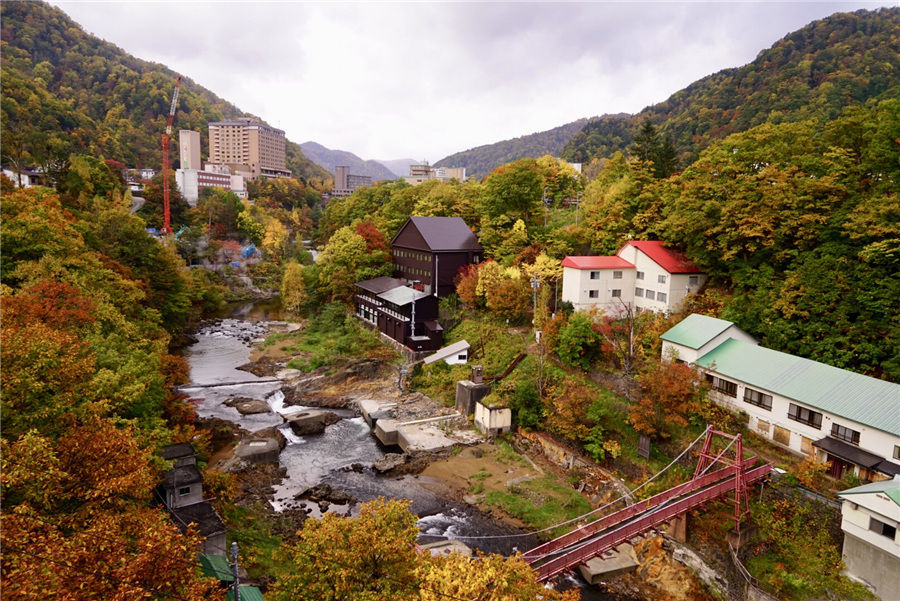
(581, 517)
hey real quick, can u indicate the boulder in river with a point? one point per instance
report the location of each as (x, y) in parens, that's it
(246, 406)
(311, 421)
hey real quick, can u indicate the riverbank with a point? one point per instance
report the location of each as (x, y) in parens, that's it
(472, 492)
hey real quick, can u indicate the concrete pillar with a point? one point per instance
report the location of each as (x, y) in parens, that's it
(678, 528)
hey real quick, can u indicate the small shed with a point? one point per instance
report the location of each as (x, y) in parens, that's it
(492, 420)
(452, 354)
(209, 524)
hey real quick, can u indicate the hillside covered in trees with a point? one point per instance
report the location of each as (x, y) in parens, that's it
(482, 160)
(812, 73)
(328, 159)
(65, 91)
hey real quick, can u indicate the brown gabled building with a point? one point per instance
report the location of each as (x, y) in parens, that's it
(431, 250)
(401, 312)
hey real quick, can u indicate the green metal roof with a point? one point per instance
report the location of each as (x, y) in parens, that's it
(853, 396)
(248, 593)
(216, 566)
(695, 330)
(891, 488)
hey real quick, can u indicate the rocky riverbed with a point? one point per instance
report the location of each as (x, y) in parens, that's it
(342, 466)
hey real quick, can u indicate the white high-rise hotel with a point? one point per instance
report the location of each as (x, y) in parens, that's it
(243, 142)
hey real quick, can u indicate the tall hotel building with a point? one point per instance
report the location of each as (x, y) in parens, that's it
(244, 142)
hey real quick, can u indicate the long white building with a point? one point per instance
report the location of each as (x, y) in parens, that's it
(848, 420)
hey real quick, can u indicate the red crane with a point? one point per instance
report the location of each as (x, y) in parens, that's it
(166, 228)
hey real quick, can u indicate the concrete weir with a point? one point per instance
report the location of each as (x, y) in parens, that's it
(373, 410)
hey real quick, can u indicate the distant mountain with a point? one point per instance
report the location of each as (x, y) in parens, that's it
(67, 91)
(482, 160)
(329, 159)
(814, 72)
(400, 167)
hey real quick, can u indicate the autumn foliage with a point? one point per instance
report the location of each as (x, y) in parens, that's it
(669, 394)
(374, 557)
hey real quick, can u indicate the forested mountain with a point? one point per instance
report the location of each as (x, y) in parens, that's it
(66, 91)
(482, 160)
(812, 73)
(328, 159)
(399, 167)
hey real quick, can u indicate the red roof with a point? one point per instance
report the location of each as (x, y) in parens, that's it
(670, 260)
(597, 263)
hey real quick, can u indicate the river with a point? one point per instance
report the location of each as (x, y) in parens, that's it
(342, 456)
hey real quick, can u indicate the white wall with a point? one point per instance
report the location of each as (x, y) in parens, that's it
(856, 511)
(871, 439)
(690, 355)
(577, 286)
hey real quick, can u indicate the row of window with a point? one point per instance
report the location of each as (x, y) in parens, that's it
(795, 412)
(651, 294)
(409, 254)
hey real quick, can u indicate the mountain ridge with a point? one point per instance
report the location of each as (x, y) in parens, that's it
(96, 97)
(328, 159)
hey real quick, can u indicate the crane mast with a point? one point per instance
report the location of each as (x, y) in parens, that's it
(166, 228)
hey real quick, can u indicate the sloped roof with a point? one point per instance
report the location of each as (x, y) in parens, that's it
(604, 262)
(447, 351)
(203, 514)
(865, 400)
(177, 451)
(216, 566)
(891, 488)
(403, 295)
(248, 593)
(442, 233)
(379, 285)
(670, 260)
(181, 475)
(695, 330)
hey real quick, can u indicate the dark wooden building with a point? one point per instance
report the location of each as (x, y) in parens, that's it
(431, 250)
(407, 315)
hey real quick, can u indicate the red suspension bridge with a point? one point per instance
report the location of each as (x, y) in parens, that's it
(723, 476)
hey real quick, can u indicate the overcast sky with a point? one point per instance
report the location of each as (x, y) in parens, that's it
(424, 80)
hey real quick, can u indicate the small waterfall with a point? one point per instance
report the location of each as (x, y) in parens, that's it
(276, 401)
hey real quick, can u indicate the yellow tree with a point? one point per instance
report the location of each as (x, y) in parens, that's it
(293, 289)
(485, 578)
(371, 557)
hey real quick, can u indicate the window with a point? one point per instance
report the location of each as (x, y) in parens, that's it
(617, 293)
(844, 433)
(617, 275)
(723, 386)
(595, 275)
(760, 399)
(650, 294)
(661, 279)
(883, 529)
(805, 416)
(896, 452)
(593, 294)
(661, 297)
(639, 275)
(639, 292)
(693, 280)
(184, 490)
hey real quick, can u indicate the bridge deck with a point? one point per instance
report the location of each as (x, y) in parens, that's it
(638, 518)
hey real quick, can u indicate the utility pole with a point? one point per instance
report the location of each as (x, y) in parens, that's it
(234, 568)
(544, 200)
(535, 284)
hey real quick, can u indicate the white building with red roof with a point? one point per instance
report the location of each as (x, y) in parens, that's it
(643, 273)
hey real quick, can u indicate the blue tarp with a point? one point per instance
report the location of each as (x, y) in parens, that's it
(248, 251)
